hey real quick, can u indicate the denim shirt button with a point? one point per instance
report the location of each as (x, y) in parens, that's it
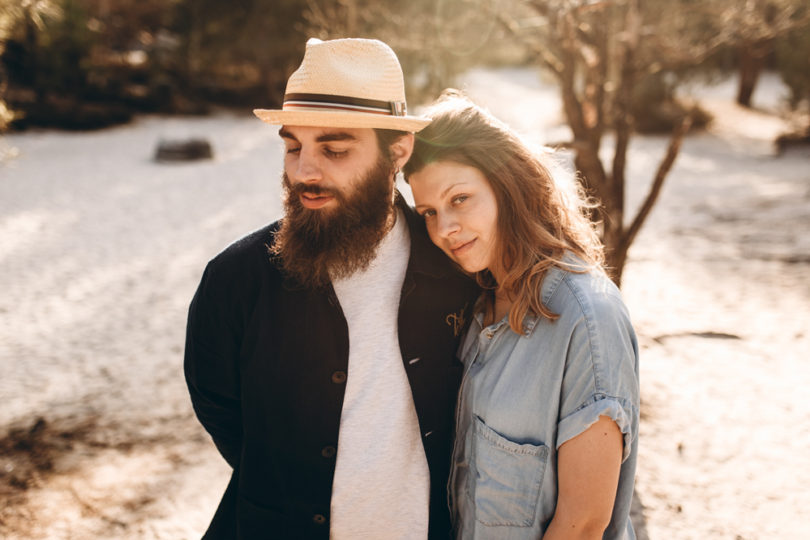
(328, 451)
(339, 377)
(319, 519)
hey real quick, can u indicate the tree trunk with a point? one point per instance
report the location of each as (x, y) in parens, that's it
(752, 60)
(32, 48)
(614, 262)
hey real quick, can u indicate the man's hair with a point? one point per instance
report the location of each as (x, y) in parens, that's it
(539, 219)
(387, 137)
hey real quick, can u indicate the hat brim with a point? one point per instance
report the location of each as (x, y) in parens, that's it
(341, 119)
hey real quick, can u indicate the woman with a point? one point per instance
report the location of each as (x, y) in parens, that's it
(547, 418)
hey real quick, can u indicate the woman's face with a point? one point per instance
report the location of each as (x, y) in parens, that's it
(460, 212)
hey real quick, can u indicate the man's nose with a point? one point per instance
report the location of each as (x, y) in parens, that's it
(307, 168)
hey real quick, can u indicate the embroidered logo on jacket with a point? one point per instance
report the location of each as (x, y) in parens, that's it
(457, 321)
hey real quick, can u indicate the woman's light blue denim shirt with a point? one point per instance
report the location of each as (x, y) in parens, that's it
(523, 395)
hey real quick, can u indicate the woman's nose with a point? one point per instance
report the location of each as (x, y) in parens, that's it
(447, 224)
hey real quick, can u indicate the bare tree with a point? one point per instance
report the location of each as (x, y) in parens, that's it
(598, 50)
(755, 25)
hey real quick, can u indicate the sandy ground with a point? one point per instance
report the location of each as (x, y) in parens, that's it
(101, 249)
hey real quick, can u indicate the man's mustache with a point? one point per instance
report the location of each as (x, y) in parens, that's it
(315, 189)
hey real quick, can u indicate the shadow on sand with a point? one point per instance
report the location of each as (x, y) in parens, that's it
(637, 516)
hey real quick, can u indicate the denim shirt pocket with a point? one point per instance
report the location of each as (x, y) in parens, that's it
(505, 478)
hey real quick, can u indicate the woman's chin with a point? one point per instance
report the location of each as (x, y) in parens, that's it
(470, 268)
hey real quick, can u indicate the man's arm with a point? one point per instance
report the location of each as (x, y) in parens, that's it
(211, 367)
(588, 475)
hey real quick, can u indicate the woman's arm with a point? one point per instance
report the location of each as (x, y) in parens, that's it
(588, 475)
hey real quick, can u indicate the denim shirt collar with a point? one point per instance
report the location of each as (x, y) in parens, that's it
(529, 322)
(551, 282)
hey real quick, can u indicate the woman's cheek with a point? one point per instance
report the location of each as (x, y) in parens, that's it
(431, 229)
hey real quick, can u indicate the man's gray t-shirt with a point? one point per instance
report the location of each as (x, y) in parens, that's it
(381, 486)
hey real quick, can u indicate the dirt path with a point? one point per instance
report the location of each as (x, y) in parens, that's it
(100, 252)
(101, 249)
(719, 286)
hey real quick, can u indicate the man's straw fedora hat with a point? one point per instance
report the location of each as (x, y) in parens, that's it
(348, 83)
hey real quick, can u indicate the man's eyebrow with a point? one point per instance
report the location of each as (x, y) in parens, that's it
(284, 134)
(336, 136)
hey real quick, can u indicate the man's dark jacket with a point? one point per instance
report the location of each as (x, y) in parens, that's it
(266, 363)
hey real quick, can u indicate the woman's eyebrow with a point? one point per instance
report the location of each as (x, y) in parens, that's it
(441, 195)
(451, 186)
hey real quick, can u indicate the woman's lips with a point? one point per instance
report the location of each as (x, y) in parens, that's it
(313, 201)
(462, 248)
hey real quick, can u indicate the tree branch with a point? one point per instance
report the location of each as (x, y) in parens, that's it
(624, 105)
(658, 182)
(546, 57)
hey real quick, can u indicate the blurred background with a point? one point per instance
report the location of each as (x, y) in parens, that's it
(129, 158)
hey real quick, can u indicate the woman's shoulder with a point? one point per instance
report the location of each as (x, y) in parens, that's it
(589, 303)
(601, 340)
(577, 286)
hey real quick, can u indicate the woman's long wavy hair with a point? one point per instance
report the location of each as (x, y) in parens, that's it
(540, 218)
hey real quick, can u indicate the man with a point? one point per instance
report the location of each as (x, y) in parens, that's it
(320, 351)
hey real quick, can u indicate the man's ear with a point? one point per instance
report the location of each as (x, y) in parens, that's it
(401, 149)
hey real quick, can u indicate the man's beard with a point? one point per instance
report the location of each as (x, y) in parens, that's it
(319, 245)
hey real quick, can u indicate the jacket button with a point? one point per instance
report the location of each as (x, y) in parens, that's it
(319, 519)
(339, 377)
(328, 451)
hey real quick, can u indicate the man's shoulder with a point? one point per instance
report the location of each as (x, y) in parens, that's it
(247, 253)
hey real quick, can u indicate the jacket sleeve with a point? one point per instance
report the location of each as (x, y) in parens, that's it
(211, 364)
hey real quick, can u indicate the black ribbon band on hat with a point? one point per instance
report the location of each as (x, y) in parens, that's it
(344, 103)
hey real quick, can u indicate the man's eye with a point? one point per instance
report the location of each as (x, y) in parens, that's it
(293, 150)
(335, 153)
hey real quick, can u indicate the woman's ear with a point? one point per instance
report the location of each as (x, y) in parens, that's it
(401, 150)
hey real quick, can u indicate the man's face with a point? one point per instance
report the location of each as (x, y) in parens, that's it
(339, 197)
(325, 165)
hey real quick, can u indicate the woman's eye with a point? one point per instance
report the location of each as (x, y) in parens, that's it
(428, 213)
(460, 199)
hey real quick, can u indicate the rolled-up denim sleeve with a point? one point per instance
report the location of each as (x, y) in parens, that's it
(617, 409)
(601, 374)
